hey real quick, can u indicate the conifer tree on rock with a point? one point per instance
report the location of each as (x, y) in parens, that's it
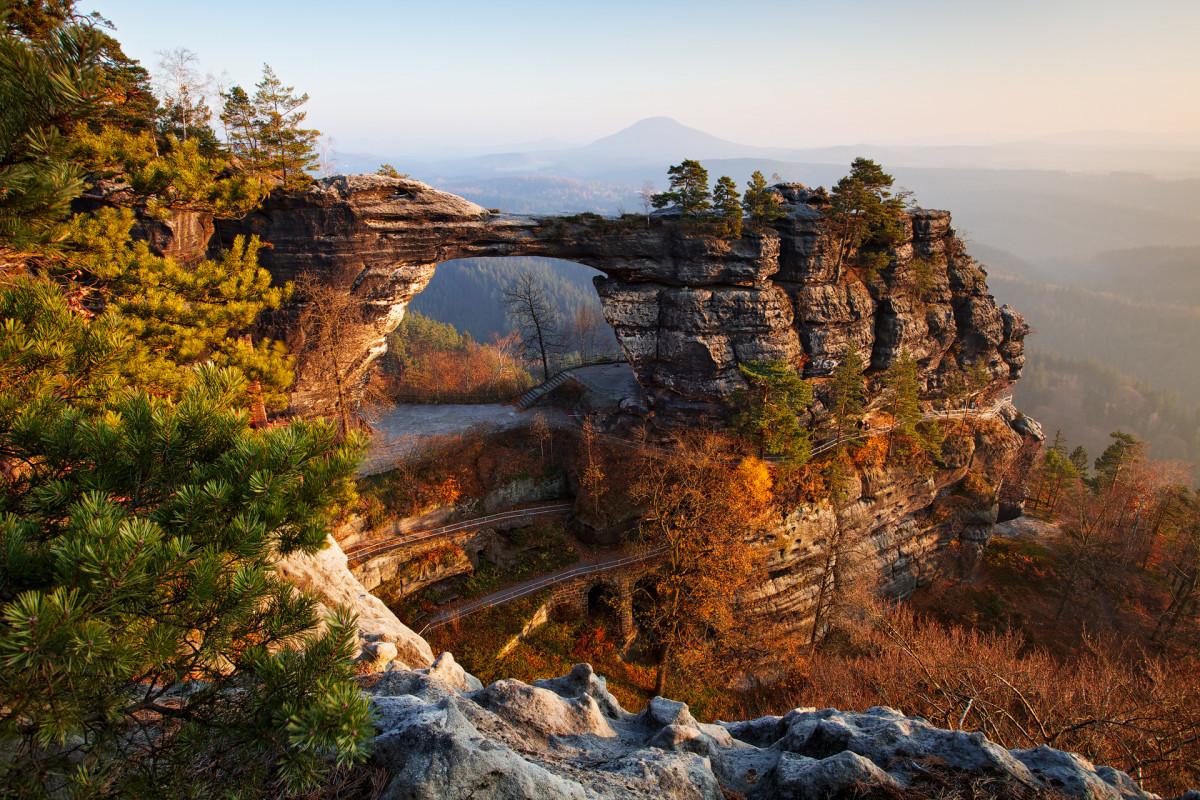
(865, 216)
(688, 181)
(179, 316)
(762, 203)
(265, 131)
(771, 408)
(902, 400)
(847, 397)
(728, 206)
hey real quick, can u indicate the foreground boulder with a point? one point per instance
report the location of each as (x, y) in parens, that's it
(442, 736)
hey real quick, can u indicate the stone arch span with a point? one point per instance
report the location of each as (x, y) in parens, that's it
(686, 306)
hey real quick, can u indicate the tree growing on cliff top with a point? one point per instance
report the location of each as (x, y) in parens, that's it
(761, 202)
(265, 132)
(534, 315)
(147, 644)
(770, 409)
(728, 205)
(688, 182)
(865, 216)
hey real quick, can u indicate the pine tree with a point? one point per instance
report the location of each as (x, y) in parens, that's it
(241, 131)
(45, 87)
(728, 206)
(1079, 458)
(179, 316)
(1124, 450)
(289, 151)
(688, 181)
(147, 644)
(902, 399)
(771, 408)
(762, 203)
(865, 216)
(264, 131)
(847, 394)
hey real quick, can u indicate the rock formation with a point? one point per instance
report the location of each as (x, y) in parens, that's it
(687, 307)
(326, 576)
(443, 735)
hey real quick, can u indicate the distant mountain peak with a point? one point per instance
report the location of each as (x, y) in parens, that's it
(657, 137)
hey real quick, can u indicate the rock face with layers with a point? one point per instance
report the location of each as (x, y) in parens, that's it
(442, 735)
(687, 307)
(897, 526)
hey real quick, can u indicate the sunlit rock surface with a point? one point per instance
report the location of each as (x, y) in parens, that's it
(687, 306)
(440, 735)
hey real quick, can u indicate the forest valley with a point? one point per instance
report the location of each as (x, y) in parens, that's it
(152, 476)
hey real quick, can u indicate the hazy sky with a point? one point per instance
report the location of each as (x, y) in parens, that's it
(449, 74)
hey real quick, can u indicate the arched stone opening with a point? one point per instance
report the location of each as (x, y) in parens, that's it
(469, 294)
(688, 307)
(603, 603)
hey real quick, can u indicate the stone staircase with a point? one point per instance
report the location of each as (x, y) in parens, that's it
(535, 394)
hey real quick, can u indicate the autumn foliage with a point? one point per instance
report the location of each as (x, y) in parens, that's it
(431, 362)
(1119, 707)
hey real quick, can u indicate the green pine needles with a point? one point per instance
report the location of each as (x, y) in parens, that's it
(147, 645)
(771, 408)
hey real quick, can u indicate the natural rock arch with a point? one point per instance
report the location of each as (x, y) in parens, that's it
(687, 307)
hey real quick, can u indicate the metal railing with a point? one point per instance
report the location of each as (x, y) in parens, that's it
(532, 395)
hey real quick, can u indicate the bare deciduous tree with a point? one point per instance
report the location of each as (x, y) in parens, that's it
(531, 311)
(329, 320)
(646, 197)
(588, 331)
(183, 91)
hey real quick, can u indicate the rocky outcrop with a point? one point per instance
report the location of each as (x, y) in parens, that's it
(325, 575)
(898, 525)
(442, 735)
(687, 307)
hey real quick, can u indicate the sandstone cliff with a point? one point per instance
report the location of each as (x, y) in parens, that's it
(686, 307)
